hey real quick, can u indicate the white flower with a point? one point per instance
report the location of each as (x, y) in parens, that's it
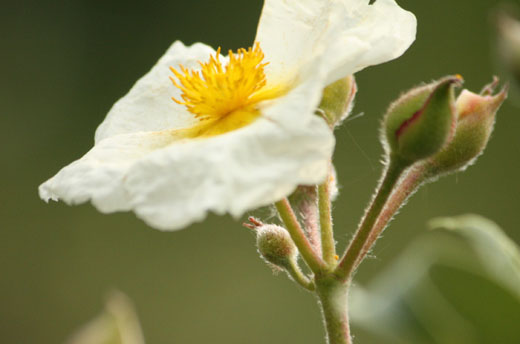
(244, 134)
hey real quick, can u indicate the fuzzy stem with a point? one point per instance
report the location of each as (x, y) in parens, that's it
(355, 250)
(327, 235)
(409, 184)
(298, 276)
(332, 295)
(298, 235)
(309, 214)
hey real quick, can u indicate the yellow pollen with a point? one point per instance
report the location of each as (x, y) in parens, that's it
(225, 95)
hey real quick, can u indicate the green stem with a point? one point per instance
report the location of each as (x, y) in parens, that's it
(298, 235)
(332, 295)
(298, 276)
(328, 246)
(409, 184)
(355, 251)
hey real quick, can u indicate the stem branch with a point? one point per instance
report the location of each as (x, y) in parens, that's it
(398, 198)
(356, 250)
(299, 277)
(327, 235)
(298, 235)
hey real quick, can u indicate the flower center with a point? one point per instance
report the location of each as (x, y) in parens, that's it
(224, 97)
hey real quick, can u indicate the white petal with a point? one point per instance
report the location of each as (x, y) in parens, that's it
(235, 172)
(99, 175)
(350, 34)
(171, 183)
(148, 105)
(290, 33)
(376, 33)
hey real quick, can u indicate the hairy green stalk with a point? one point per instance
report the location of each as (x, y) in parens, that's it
(328, 246)
(356, 249)
(294, 228)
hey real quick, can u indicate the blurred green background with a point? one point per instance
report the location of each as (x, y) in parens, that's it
(64, 63)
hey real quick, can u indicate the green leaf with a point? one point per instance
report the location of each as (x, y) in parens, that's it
(460, 285)
(499, 255)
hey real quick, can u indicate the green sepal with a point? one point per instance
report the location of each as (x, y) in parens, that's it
(421, 121)
(337, 100)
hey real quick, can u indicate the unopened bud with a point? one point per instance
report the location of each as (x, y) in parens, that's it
(421, 121)
(476, 117)
(337, 100)
(276, 246)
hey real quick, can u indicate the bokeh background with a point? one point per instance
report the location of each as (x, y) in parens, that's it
(64, 63)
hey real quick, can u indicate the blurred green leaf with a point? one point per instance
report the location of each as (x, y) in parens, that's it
(117, 324)
(499, 255)
(460, 285)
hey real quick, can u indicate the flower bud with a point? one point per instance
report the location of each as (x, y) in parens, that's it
(337, 100)
(421, 121)
(276, 246)
(475, 120)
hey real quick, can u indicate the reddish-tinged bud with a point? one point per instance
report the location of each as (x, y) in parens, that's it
(476, 117)
(421, 121)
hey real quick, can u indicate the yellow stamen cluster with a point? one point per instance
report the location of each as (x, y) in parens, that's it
(218, 90)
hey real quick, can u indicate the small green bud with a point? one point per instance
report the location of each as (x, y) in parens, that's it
(337, 100)
(278, 250)
(421, 121)
(276, 246)
(475, 120)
